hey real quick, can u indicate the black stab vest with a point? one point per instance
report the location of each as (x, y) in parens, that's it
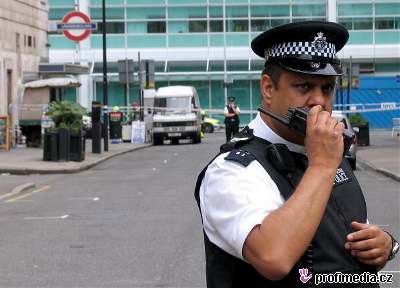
(232, 119)
(346, 204)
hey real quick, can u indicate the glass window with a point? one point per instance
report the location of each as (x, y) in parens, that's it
(387, 9)
(271, 1)
(360, 37)
(112, 41)
(354, 9)
(108, 2)
(233, 39)
(193, 40)
(278, 22)
(137, 27)
(178, 27)
(147, 41)
(270, 11)
(111, 27)
(298, 19)
(346, 22)
(236, 11)
(111, 13)
(216, 40)
(58, 14)
(216, 12)
(156, 27)
(216, 26)
(135, 2)
(62, 3)
(187, 1)
(309, 10)
(146, 13)
(197, 26)
(387, 37)
(61, 42)
(384, 23)
(259, 25)
(397, 23)
(237, 25)
(362, 24)
(187, 12)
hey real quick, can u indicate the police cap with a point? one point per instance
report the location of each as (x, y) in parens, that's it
(308, 47)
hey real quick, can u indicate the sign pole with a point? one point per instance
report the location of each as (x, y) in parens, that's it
(105, 82)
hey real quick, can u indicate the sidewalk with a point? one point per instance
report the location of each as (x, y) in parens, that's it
(24, 161)
(383, 154)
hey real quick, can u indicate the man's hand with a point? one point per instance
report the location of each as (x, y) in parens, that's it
(324, 139)
(370, 244)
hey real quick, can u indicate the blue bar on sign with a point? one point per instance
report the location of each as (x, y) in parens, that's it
(76, 26)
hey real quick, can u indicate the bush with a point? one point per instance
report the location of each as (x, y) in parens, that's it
(357, 119)
(66, 114)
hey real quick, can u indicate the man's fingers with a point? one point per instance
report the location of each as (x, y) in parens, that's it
(359, 226)
(368, 255)
(313, 115)
(361, 245)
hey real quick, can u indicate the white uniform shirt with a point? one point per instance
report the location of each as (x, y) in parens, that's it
(234, 199)
(227, 111)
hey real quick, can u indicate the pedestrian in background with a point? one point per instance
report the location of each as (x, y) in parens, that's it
(232, 120)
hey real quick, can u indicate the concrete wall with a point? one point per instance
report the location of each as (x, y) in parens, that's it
(23, 44)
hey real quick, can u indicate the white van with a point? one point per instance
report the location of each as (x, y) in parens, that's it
(176, 115)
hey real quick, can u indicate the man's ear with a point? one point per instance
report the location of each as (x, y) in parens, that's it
(266, 88)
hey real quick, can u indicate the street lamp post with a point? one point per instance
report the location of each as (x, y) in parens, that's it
(105, 82)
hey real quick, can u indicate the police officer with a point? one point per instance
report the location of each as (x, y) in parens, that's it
(232, 120)
(278, 207)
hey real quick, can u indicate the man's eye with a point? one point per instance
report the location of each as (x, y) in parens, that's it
(303, 86)
(328, 88)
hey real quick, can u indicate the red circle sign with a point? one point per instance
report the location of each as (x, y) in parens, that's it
(76, 17)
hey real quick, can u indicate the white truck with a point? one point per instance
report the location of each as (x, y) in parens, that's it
(176, 115)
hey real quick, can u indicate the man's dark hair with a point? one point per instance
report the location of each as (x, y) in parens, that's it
(274, 71)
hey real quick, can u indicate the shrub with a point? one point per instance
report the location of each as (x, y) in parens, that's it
(357, 119)
(66, 114)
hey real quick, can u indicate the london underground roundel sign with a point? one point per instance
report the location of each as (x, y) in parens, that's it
(76, 26)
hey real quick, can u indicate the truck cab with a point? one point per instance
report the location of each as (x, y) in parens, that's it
(176, 115)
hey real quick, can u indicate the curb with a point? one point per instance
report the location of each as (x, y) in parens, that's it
(18, 190)
(366, 164)
(84, 166)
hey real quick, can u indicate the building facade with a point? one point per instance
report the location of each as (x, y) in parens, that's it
(192, 44)
(23, 45)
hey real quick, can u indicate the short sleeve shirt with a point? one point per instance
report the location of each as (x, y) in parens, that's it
(234, 198)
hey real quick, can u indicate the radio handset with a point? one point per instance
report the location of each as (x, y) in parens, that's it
(296, 120)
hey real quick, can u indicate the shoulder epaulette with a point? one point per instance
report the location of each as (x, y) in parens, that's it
(240, 156)
(244, 136)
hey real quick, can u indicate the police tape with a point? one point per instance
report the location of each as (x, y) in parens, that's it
(345, 109)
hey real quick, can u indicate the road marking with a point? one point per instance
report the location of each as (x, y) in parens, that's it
(44, 188)
(17, 190)
(47, 218)
(85, 198)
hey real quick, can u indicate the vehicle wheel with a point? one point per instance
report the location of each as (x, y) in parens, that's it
(353, 164)
(157, 140)
(175, 141)
(197, 138)
(208, 128)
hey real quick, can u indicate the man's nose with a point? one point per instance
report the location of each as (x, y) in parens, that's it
(317, 97)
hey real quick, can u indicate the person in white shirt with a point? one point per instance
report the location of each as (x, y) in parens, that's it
(257, 232)
(232, 121)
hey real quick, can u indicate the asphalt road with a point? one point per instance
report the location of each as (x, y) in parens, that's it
(129, 222)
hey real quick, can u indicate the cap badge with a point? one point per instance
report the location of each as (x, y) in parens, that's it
(319, 42)
(315, 65)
